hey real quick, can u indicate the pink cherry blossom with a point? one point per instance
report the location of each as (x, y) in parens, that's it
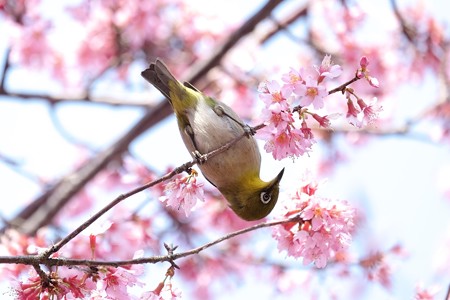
(183, 193)
(325, 228)
(378, 265)
(117, 280)
(13, 243)
(31, 289)
(277, 118)
(353, 114)
(290, 143)
(169, 292)
(282, 138)
(328, 70)
(373, 81)
(164, 291)
(293, 77)
(271, 92)
(311, 92)
(32, 46)
(323, 121)
(370, 111)
(307, 132)
(363, 62)
(285, 238)
(58, 287)
(381, 273)
(423, 293)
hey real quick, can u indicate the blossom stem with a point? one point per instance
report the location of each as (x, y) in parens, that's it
(343, 86)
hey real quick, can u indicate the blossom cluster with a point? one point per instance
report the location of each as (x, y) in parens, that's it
(101, 282)
(324, 230)
(183, 193)
(104, 283)
(287, 137)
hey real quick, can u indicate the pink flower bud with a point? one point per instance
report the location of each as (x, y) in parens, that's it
(323, 121)
(364, 62)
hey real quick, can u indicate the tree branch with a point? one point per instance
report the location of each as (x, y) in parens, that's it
(47, 205)
(57, 99)
(283, 25)
(343, 86)
(17, 167)
(44, 260)
(408, 30)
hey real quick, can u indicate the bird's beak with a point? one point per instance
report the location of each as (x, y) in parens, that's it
(280, 175)
(277, 179)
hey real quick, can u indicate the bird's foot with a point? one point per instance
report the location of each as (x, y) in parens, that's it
(200, 158)
(249, 131)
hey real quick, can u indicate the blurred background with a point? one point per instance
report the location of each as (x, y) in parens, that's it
(79, 126)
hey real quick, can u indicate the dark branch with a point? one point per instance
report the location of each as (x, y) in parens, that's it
(283, 25)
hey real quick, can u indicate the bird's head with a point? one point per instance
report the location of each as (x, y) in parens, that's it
(253, 199)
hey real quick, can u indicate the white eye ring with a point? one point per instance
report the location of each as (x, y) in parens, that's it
(265, 197)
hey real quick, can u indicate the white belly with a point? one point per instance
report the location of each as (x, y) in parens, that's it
(211, 132)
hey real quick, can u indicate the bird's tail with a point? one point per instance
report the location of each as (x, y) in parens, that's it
(161, 78)
(181, 96)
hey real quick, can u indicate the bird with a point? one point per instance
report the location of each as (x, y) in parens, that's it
(205, 124)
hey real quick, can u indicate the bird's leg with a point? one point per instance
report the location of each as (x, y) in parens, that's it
(249, 131)
(201, 158)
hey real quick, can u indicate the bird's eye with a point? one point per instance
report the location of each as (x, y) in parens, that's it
(265, 197)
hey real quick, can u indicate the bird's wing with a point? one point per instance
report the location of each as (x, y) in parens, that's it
(192, 87)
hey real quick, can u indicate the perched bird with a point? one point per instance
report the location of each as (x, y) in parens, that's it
(206, 124)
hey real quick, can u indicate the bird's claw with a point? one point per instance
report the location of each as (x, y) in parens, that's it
(200, 158)
(249, 131)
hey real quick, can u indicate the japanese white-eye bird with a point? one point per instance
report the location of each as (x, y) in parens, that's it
(206, 124)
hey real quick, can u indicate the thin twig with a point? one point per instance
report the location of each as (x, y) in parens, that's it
(65, 98)
(65, 134)
(170, 257)
(343, 86)
(42, 275)
(407, 29)
(284, 24)
(17, 167)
